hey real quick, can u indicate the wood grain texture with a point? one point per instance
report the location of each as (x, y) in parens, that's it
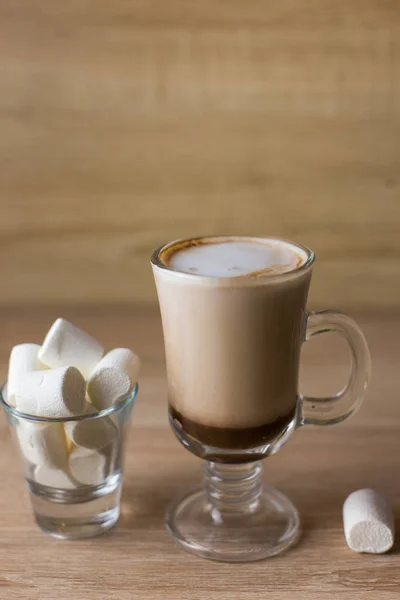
(318, 468)
(126, 124)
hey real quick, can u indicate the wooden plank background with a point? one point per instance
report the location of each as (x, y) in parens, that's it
(128, 123)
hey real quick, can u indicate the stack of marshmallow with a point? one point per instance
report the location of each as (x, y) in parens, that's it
(68, 376)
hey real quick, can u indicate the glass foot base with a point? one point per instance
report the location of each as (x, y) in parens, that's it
(230, 534)
(78, 529)
(76, 514)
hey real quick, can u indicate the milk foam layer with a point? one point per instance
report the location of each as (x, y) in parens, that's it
(234, 257)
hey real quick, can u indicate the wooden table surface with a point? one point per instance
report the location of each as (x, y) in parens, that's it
(318, 468)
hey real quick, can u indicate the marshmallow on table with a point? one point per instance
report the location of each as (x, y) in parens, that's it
(93, 434)
(23, 360)
(56, 478)
(368, 522)
(52, 393)
(68, 346)
(89, 467)
(43, 443)
(113, 378)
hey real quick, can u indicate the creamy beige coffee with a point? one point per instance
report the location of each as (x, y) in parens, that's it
(233, 313)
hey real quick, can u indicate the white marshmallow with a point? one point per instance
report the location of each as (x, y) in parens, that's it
(23, 360)
(4, 392)
(52, 393)
(93, 433)
(43, 443)
(89, 467)
(113, 378)
(68, 346)
(56, 478)
(368, 522)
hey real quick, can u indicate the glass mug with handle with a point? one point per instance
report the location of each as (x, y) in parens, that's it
(234, 319)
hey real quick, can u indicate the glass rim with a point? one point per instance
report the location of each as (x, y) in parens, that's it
(91, 416)
(156, 260)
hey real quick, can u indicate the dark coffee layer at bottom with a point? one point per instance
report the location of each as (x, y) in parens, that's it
(232, 438)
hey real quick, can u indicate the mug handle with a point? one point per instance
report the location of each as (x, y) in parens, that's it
(337, 408)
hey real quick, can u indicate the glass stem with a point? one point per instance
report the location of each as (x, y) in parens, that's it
(232, 488)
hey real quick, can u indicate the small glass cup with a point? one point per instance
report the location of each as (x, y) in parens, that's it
(73, 503)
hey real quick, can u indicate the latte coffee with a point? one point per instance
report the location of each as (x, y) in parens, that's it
(233, 312)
